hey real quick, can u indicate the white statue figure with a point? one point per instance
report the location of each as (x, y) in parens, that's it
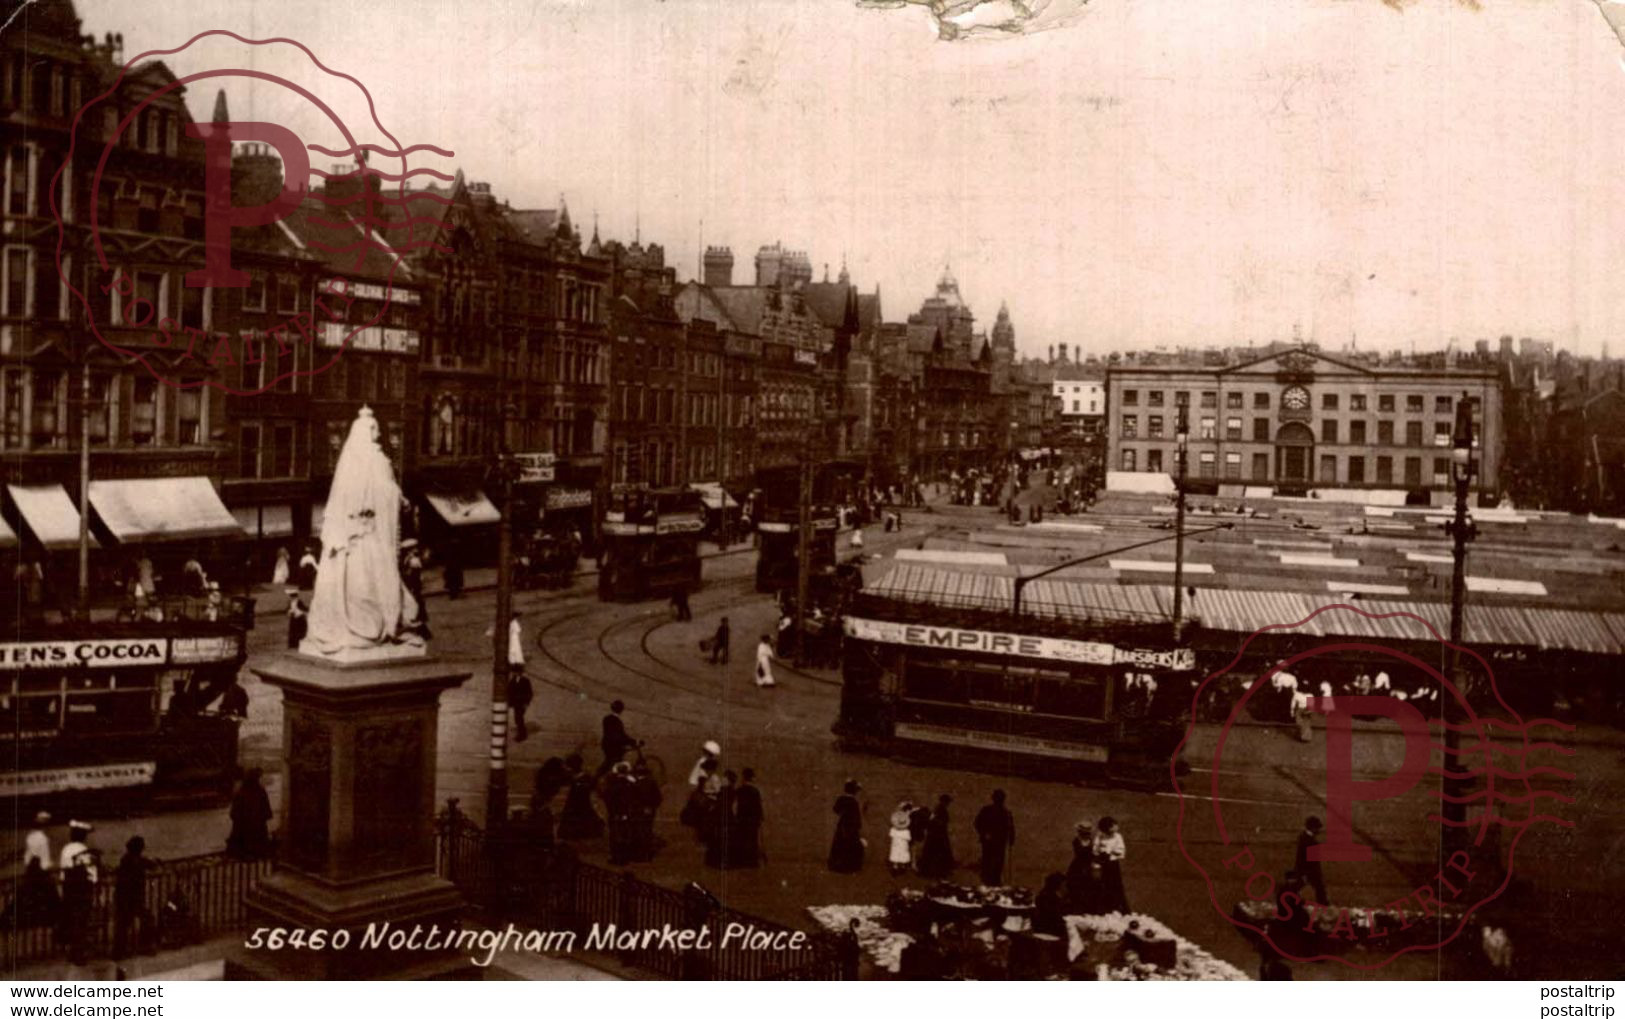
(360, 604)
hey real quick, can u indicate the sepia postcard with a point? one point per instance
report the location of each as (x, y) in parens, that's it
(724, 490)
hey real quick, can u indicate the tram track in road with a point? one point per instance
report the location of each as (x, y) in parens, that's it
(603, 685)
(748, 583)
(937, 531)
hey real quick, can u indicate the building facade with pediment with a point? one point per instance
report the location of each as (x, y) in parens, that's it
(1300, 420)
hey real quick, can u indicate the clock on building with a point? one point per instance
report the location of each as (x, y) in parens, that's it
(1295, 398)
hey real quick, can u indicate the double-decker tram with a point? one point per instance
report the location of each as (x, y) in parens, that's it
(984, 688)
(779, 522)
(119, 716)
(651, 543)
(780, 546)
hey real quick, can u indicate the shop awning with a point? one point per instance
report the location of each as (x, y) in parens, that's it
(142, 510)
(714, 495)
(464, 509)
(49, 514)
(8, 537)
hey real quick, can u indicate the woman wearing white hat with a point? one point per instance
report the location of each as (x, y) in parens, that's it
(710, 751)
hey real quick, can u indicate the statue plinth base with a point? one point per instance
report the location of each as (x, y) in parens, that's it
(356, 851)
(350, 657)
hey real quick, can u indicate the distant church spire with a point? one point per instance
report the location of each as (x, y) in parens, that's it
(221, 116)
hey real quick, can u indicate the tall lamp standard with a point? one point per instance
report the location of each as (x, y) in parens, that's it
(1182, 436)
(1461, 530)
(504, 470)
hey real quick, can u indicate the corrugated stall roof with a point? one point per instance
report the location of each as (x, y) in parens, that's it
(1355, 625)
(1247, 611)
(1244, 611)
(949, 588)
(1571, 630)
(1065, 599)
(1071, 599)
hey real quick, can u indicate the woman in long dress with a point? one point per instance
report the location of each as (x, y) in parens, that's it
(764, 662)
(1109, 853)
(360, 601)
(1080, 881)
(846, 849)
(279, 572)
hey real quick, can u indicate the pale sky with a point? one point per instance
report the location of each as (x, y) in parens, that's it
(1153, 172)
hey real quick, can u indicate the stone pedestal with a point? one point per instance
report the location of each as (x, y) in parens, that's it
(356, 850)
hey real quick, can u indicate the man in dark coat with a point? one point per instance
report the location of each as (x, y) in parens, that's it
(615, 742)
(846, 849)
(132, 923)
(919, 823)
(646, 803)
(520, 694)
(747, 832)
(250, 837)
(719, 643)
(996, 829)
(620, 803)
(937, 857)
(719, 833)
(1306, 868)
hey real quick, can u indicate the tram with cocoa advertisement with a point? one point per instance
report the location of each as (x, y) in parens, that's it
(651, 543)
(977, 687)
(119, 716)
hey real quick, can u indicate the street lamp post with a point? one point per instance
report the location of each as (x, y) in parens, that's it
(1461, 530)
(496, 795)
(1182, 434)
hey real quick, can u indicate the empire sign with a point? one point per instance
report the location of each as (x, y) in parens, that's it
(949, 638)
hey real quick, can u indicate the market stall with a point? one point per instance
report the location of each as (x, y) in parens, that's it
(957, 932)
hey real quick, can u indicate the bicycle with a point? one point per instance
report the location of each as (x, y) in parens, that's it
(655, 766)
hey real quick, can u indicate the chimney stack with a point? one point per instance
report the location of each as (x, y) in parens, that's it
(256, 174)
(719, 267)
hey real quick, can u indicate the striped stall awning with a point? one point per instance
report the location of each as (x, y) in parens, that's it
(1568, 629)
(960, 589)
(1069, 599)
(1245, 612)
(1061, 599)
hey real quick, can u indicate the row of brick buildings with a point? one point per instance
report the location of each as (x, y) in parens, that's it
(466, 324)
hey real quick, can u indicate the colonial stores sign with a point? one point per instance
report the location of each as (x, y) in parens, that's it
(947, 638)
